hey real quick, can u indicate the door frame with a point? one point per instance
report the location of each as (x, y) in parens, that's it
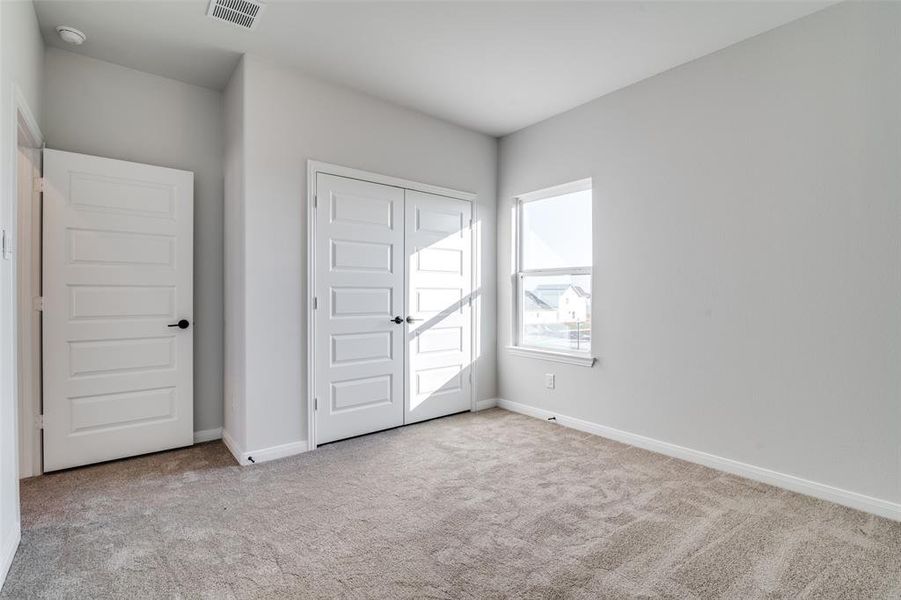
(314, 168)
(28, 410)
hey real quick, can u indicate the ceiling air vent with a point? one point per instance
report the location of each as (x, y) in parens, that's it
(243, 13)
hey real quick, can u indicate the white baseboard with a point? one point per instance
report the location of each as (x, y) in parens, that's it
(485, 404)
(262, 455)
(207, 435)
(274, 452)
(233, 447)
(8, 552)
(876, 506)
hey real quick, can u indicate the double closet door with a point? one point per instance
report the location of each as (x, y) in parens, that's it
(393, 309)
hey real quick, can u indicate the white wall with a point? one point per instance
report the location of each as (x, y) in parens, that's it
(288, 119)
(96, 107)
(747, 272)
(235, 404)
(21, 64)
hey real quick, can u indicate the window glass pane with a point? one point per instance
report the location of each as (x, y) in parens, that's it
(556, 312)
(556, 232)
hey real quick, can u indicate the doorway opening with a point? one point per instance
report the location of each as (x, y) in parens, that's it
(27, 257)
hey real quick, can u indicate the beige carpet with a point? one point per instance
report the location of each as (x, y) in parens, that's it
(492, 505)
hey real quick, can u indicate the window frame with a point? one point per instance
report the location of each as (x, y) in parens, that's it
(516, 346)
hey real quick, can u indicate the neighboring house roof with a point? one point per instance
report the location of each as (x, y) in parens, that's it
(548, 295)
(580, 292)
(533, 302)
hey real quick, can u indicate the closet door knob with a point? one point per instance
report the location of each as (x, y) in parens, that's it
(397, 320)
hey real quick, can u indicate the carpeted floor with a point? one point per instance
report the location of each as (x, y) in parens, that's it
(490, 505)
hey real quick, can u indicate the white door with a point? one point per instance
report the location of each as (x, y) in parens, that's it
(117, 280)
(439, 288)
(359, 283)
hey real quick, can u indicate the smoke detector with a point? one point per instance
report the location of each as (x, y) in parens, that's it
(243, 13)
(70, 35)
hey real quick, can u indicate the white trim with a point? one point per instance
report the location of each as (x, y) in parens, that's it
(485, 404)
(556, 190)
(475, 304)
(207, 435)
(315, 167)
(518, 309)
(23, 117)
(232, 446)
(20, 105)
(263, 454)
(312, 167)
(556, 271)
(560, 357)
(28, 283)
(8, 553)
(273, 452)
(254, 457)
(876, 506)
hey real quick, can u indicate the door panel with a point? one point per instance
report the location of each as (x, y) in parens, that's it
(117, 271)
(359, 282)
(439, 288)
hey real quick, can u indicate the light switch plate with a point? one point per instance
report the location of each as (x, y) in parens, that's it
(550, 381)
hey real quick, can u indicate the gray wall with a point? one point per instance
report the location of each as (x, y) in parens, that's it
(21, 53)
(99, 108)
(235, 290)
(747, 273)
(290, 118)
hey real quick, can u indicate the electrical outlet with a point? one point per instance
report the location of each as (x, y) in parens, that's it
(550, 381)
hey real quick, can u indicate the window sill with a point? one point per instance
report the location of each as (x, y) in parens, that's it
(561, 357)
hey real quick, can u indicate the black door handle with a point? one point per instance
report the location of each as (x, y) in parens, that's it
(397, 320)
(183, 324)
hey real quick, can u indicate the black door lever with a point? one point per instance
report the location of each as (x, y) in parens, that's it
(397, 320)
(183, 324)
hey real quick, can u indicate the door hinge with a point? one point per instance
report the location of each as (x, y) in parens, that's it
(38, 303)
(315, 403)
(315, 200)
(39, 422)
(40, 184)
(315, 302)
(5, 250)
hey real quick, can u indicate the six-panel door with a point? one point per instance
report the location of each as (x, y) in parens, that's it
(358, 364)
(117, 272)
(439, 304)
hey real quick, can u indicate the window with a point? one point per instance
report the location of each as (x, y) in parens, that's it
(553, 273)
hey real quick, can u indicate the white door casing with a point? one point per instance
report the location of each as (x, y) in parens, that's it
(439, 300)
(117, 273)
(28, 273)
(359, 287)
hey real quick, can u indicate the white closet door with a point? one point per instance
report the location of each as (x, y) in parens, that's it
(359, 282)
(117, 274)
(439, 284)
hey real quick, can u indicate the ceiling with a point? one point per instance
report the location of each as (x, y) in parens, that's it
(493, 67)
